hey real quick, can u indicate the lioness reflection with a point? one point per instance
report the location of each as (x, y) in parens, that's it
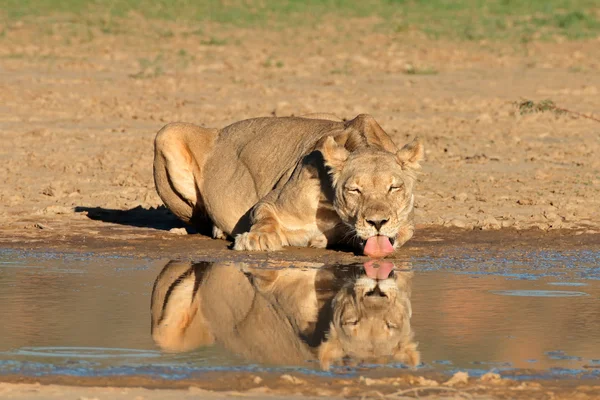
(286, 316)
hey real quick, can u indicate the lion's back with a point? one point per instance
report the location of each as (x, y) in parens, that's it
(250, 157)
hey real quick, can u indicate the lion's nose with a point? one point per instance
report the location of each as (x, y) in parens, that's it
(375, 292)
(377, 223)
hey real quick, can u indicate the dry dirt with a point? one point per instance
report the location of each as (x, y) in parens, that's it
(79, 111)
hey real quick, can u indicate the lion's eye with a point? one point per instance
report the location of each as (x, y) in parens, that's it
(353, 190)
(350, 322)
(395, 188)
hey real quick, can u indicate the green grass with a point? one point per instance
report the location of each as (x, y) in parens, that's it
(149, 68)
(523, 20)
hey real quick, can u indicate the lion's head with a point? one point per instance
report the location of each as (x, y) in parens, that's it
(373, 192)
(371, 320)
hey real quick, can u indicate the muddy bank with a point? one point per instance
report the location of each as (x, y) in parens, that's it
(157, 234)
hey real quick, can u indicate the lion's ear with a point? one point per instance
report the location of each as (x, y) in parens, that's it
(334, 155)
(182, 329)
(410, 156)
(330, 351)
(177, 322)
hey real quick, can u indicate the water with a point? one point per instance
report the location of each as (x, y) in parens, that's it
(516, 312)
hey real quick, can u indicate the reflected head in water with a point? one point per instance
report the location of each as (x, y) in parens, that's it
(288, 315)
(371, 319)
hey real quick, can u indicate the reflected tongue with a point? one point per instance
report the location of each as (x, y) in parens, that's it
(381, 273)
(378, 247)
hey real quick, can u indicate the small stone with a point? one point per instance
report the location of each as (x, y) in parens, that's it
(426, 382)
(490, 223)
(49, 191)
(459, 378)
(369, 382)
(39, 225)
(491, 377)
(552, 216)
(485, 117)
(257, 380)
(458, 223)
(292, 379)
(462, 197)
(178, 231)
(525, 202)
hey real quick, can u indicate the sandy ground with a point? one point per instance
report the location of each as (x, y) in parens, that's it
(79, 109)
(39, 392)
(78, 113)
(406, 386)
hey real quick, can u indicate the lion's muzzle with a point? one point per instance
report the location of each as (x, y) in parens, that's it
(378, 246)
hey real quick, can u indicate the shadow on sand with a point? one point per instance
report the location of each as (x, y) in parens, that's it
(156, 218)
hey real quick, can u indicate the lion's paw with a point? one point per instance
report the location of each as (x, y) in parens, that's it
(258, 241)
(404, 235)
(218, 233)
(319, 242)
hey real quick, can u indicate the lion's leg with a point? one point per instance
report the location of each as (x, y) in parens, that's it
(266, 233)
(404, 235)
(180, 151)
(407, 231)
(290, 215)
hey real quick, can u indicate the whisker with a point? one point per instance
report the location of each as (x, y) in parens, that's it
(350, 235)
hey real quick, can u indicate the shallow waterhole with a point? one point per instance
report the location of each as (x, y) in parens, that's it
(509, 311)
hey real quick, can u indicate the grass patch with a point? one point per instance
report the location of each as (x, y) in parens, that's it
(270, 62)
(213, 41)
(526, 106)
(149, 68)
(459, 19)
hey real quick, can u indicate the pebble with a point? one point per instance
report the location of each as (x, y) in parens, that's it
(457, 379)
(490, 222)
(491, 377)
(292, 379)
(460, 197)
(457, 223)
(525, 202)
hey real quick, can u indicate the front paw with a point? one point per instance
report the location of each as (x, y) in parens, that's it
(218, 233)
(258, 241)
(319, 242)
(404, 235)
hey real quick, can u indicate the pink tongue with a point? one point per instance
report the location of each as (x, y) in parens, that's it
(378, 247)
(381, 273)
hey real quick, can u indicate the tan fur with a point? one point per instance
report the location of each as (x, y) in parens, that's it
(372, 327)
(282, 316)
(293, 181)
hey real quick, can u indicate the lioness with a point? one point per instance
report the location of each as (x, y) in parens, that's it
(293, 181)
(286, 316)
